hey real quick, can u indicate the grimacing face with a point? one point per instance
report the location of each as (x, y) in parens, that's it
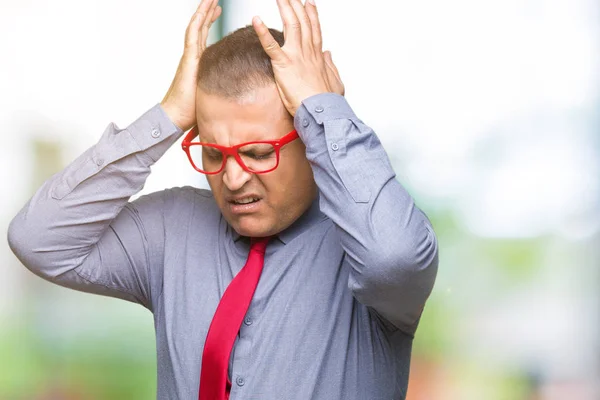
(283, 194)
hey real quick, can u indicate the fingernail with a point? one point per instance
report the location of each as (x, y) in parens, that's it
(258, 20)
(312, 2)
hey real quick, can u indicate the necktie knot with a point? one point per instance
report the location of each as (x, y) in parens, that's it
(259, 244)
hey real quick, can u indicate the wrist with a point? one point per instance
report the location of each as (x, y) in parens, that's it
(173, 115)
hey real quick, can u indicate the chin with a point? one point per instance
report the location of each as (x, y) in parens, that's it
(253, 227)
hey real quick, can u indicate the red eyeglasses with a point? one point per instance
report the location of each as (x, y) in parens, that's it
(257, 157)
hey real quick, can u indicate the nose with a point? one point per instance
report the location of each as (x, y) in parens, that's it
(234, 175)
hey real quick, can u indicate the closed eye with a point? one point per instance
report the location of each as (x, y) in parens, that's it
(212, 153)
(258, 155)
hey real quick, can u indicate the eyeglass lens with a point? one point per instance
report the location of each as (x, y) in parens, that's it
(257, 157)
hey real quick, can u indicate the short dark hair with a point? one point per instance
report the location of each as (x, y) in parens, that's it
(236, 64)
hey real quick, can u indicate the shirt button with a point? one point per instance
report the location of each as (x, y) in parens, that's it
(319, 109)
(99, 162)
(248, 321)
(334, 146)
(240, 381)
(305, 122)
(155, 133)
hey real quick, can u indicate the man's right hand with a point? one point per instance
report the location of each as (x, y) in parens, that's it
(180, 101)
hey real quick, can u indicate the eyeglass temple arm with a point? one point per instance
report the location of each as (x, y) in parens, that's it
(284, 140)
(191, 134)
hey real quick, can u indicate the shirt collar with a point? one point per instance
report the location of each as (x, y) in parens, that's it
(309, 218)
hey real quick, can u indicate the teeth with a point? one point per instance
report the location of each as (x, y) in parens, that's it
(246, 200)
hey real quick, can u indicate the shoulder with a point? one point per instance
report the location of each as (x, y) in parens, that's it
(189, 194)
(178, 200)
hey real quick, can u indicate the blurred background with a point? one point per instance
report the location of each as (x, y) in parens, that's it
(490, 112)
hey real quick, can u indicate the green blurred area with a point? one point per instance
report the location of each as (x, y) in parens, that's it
(121, 365)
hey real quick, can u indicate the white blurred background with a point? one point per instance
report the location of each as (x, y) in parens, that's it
(490, 112)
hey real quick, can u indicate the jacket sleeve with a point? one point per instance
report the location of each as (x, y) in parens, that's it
(390, 246)
(79, 229)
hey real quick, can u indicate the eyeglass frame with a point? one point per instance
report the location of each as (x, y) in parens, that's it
(233, 150)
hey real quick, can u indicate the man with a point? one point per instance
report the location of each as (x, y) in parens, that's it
(304, 205)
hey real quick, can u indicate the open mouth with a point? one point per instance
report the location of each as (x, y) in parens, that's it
(245, 205)
(247, 200)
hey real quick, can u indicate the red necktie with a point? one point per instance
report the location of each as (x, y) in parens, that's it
(226, 323)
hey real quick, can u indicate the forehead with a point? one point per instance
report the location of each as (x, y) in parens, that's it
(257, 115)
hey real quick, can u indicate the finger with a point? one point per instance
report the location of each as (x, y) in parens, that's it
(193, 31)
(305, 28)
(216, 13)
(313, 16)
(291, 25)
(205, 9)
(208, 20)
(267, 41)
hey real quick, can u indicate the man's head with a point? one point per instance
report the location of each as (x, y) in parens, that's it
(237, 101)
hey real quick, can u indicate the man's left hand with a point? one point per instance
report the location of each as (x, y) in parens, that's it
(300, 66)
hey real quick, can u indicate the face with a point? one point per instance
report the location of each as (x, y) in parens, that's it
(281, 195)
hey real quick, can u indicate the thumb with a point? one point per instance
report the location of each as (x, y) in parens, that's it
(333, 75)
(331, 65)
